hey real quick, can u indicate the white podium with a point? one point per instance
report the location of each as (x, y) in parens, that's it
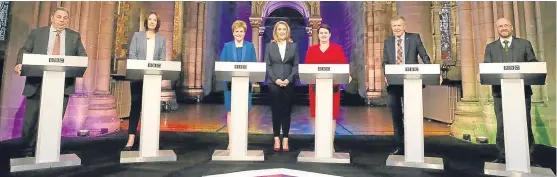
(240, 74)
(412, 77)
(54, 69)
(323, 76)
(512, 77)
(152, 73)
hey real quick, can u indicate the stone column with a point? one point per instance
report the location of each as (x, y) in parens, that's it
(192, 60)
(13, 103)
(261, 45)
(467, 64)
(531, 35)
(314, 23)
(309, 33)
(369, 51)
(102, 116)
(44, 13)
(199, 74)
(508, 10)
(489, 32)
(540, 49)
(255, 24)
(77, 110)
(382, 29)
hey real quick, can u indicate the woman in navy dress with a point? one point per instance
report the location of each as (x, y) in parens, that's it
(238, 50)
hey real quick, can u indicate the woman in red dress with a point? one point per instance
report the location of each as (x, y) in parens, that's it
(325, 52)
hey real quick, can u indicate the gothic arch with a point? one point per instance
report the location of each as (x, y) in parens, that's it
(307, 9)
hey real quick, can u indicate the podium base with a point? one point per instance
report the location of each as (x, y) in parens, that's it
(429, 162)
(28, 163)
(338, 157)
(134, 157)
(499, 169)
(252, 155)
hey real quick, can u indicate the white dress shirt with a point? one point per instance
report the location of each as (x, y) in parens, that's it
(150, 49)
(52, 38)
(282, 50)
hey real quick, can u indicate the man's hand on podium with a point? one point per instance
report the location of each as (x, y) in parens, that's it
(17, 68)
(349, 79)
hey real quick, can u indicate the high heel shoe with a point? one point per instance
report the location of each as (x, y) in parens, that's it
(285, 149)
(276, 149)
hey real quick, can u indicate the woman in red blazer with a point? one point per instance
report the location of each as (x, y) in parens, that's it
(325, 52)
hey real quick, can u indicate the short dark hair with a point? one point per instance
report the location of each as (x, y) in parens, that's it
(324, 26)
(59, 9)
(147, 20)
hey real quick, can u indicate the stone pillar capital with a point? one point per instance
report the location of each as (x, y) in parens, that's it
(255, 22)
(315, 22)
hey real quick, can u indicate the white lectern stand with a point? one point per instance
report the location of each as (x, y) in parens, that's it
(53, 69)
(152, 73)
(412, 77)
(240, 74)
(323, 76)
(512, 77)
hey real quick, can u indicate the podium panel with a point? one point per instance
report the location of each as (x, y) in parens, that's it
(412, 77)
(53, 69)
(512, 77)
(152, 73)
(240, 74)
(324, 76)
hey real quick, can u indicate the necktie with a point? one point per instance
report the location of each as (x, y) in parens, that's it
(56, 49)
(506, 47)
(399, 51)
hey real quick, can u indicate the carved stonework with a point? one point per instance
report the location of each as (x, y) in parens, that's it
(122, 29)
(255, 22)
(177, 39)
(314, 8)
(257, 7)
(315, 22)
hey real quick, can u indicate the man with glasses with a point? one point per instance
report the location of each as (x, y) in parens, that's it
(508, 49)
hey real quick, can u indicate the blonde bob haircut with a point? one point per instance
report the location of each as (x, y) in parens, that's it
(275, 35)
(239, 24)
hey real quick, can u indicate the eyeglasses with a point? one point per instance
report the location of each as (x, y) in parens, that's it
(504, 26)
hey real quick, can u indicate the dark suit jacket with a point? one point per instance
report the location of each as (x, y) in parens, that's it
(37, 43)
(278, 69)
(413, 47)
(138, 50)
(521, 51)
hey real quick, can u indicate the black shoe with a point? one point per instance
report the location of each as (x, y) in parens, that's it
(128, 148)
(29, 152)
(499, 160)
(398, 151)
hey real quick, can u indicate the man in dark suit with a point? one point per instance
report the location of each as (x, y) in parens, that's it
(508, 49)
(49, 40)
(402, 48)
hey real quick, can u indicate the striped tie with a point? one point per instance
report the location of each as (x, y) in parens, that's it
(399, 51)
(56, 49)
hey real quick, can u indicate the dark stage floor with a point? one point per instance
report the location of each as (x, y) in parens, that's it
(100, 157)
